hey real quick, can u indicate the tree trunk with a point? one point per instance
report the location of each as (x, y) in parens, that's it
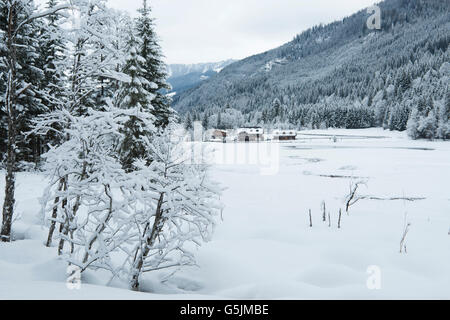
(8, 205)
(102, 226)
(66, 227)
(150, 240)
(51, 230)
(10, 185)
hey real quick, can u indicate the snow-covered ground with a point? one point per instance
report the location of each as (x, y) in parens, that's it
(265, 248)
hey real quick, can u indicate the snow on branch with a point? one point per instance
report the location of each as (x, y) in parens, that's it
(42, 14)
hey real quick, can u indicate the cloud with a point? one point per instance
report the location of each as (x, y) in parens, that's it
(194, 31)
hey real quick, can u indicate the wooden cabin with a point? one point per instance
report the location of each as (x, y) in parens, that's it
(255, 134)
(218, 134)
(284, 135)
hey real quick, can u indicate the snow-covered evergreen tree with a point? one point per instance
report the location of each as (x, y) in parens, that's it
(52, 50)
(443, 130)
(188, 124)
(18, 27)
(205, 121)
(413, 125)
(94, 57)
(154, 68)
(428, 125)
(134, 96)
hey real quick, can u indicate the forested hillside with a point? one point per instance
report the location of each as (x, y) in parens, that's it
(342, 75)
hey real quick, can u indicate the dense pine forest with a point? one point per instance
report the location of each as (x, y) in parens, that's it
(341, 75)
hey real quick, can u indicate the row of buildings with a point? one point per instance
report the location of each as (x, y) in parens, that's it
(250, 134)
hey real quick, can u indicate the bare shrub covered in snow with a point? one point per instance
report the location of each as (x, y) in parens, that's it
(181, 204)
(83, 171)
(147, 219)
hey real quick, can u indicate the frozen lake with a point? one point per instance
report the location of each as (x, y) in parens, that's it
(265, 248)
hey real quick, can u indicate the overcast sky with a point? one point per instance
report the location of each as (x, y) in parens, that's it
(193, 31)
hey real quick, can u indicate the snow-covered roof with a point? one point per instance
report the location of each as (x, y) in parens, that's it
(284, 133)
(250, 130)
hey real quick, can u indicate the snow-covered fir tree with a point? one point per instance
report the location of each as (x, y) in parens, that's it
(52, 50)
(443, 130)
(95, 55)
(154, 67)
(18, 25)
(134, 96)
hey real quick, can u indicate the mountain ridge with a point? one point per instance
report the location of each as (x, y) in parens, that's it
(185, 76)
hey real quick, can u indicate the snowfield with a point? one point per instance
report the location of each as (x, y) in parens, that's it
(265, 248)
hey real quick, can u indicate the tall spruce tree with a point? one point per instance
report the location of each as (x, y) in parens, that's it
(52, 50)
(154, 68)
(188, 125)
(205, 121)
(18, 25)
(28, 103)
(134, 97)
(93, 59)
